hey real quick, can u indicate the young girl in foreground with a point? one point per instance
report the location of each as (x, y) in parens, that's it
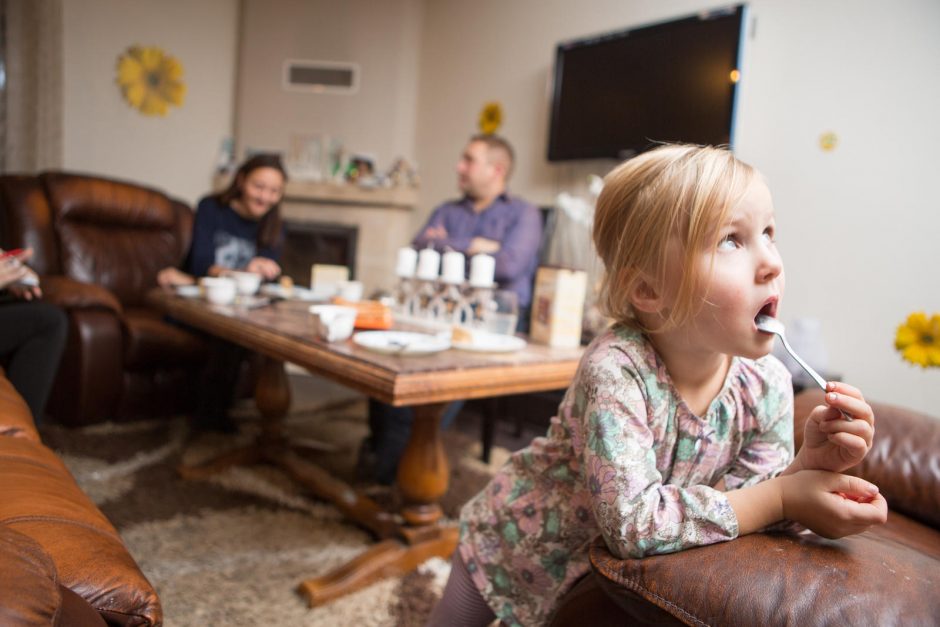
(677, 430)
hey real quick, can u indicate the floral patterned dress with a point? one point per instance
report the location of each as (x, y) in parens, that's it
(625, 458)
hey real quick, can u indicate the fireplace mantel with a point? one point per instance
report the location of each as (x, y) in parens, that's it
(343, 194)
(334, 193)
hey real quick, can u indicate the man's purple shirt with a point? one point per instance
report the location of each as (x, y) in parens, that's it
(515, 223)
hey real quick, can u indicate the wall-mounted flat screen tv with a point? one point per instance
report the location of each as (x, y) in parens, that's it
(617, 94)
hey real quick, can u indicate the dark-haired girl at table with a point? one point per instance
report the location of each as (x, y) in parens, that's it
(238, 229)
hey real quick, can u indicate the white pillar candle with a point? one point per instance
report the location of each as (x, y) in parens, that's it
(452, 269)
(482, 270)
(407, 260)
(429, 261)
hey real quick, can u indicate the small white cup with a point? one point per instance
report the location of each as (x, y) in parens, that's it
(333, 323)
(246, 283)
(349, 290)
(219, 290)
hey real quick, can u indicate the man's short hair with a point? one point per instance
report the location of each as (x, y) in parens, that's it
(500, 146)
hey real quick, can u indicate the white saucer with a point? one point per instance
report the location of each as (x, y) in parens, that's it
(401, 342)
(486, 342)
(296, 293)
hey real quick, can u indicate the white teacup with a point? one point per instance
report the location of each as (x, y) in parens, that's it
(247, 283)
(349, 290)
(219, 290)
(333, 323)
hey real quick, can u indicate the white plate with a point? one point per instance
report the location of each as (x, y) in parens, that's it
(296, 293)
(401, 342)
(486, 342)
(188, 291)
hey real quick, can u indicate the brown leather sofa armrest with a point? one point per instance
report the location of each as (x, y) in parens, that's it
(40, 499)
(29, 592)
(904, 461)
(71, 294)
(885, 576)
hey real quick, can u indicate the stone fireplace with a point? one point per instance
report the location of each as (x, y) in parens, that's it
(307, 243)
(346, 225)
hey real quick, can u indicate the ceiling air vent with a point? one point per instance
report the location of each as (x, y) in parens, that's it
(321, 77)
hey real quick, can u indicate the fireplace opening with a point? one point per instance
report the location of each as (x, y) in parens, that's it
(307, 243)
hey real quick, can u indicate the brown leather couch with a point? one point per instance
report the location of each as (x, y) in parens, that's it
(889, 575)
(61, 561)
(99, 244)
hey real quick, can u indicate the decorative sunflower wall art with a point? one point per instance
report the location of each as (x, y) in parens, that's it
(150, 80)
(491, 117)
(918, 340)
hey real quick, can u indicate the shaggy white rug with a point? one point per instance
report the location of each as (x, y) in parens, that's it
(232, 549)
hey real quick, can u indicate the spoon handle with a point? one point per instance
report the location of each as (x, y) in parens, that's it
(809, 370)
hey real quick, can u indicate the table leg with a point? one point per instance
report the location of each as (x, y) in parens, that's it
(422, 479)
(272, 398)
(422, 472)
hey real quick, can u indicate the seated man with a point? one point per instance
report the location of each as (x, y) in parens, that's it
(486, 219)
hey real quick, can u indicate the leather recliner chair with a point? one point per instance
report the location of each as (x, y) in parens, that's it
(98, 245)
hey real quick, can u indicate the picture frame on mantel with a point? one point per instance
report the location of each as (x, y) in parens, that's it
(305, 160)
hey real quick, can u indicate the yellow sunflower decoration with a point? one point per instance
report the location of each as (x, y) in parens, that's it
(491, 117)
(150, 80)
(918, 340)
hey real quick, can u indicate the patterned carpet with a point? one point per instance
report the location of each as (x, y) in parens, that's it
(231, 550)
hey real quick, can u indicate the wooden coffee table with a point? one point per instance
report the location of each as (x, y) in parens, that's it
(284, 332)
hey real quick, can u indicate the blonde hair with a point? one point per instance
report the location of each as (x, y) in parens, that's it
(679, 192)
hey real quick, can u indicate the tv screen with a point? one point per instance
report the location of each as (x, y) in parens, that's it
(617, 94)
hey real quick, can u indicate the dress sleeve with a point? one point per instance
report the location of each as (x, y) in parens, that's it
(519, 246)
(768, 449)
(637, 512)
(202, 250)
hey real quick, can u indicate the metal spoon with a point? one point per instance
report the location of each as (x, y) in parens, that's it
(767, 324)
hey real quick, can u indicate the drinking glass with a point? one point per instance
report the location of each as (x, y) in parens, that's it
(502, 314)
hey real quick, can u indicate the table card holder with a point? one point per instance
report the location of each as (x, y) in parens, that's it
(558, 306)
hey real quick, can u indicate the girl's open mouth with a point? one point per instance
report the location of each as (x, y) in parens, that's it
(769, 308)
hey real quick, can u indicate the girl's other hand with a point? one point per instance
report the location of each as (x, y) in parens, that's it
(170, 277)
(830, 442)
(832, 505)
(267, 268)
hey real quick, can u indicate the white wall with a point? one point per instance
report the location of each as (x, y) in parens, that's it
(382, 37)
(103, 135)
(858, 226)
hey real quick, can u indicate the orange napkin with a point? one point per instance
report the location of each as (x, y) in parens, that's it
(370, 314)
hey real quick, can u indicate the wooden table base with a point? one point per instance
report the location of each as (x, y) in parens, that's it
(408, 539)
